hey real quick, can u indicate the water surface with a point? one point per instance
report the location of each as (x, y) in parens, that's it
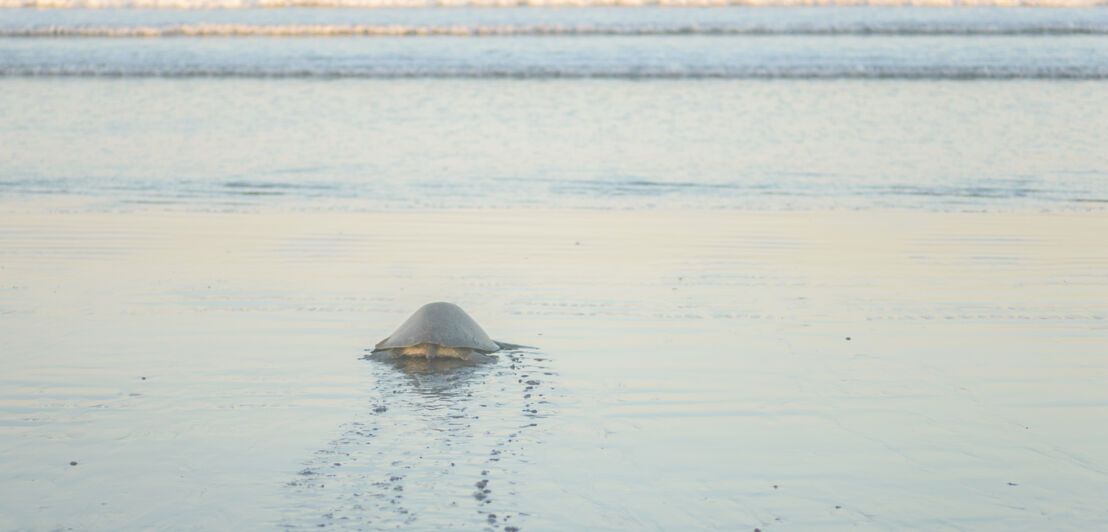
(782, 268)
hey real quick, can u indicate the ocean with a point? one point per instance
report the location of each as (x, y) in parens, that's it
(777, 265)
(592, 107)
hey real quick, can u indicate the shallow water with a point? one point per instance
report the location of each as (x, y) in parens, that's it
(207, 144)
(692, 369)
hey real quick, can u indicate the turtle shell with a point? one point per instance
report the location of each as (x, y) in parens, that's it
(443, 324)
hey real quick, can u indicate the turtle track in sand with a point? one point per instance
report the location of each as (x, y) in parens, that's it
(437, 448)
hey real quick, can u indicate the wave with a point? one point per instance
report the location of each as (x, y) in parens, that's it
(247, 4)
(403, 30)
(646, 73)
(578, 193)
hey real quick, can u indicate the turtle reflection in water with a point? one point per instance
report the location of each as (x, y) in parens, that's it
(439, 331)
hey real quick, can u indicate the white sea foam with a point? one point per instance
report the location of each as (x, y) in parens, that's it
(766, 72)
(243, 4)
(479, 30)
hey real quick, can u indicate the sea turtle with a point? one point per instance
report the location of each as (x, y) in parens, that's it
(439, 330)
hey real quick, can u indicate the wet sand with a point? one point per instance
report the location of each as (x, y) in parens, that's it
(692, 369)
